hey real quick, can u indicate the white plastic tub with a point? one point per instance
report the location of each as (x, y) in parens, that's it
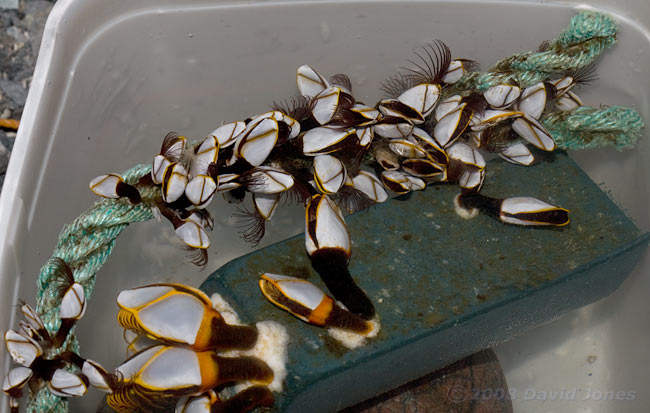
(114, 77)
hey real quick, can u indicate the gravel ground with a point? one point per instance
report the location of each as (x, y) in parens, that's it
(20, 38)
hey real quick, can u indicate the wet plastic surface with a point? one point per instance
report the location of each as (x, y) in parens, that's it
(113, 78)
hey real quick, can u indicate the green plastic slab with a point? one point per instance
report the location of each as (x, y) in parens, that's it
(444, 287)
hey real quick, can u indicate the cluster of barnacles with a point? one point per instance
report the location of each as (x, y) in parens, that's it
(330, 153)
(174, 337)
(333, 153)
(42, 363)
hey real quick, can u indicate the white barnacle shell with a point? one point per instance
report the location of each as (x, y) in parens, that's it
(193, 235)
(407, 149)
(73, 304)
(23, 350)
(532, 211)
(329, 174)
(424, 168)
(106, 185)
(533, 132)
(325, 226)
(471, 178)
(466, 154)
(132, 366)
(257, 142)
(200, 190)
(396, 108)
(447, 106)
(265, 204)
(324, 140)
(455, 72)
(400, 182)
(196, 404)
(16, 379)
(96, 375)
(227, 134)
(326, 103)
(32, 317)
(533, 100)
(174, 183)
(422, 97)
(502, 96)
(394, 127)
(492, 117)
(450, 126)
(369, 184)
(568, 101)
(66, 384)
(518, 154)
(269, 180)
(429, 144)
(158, 169)
(206, 153)
(309, 81)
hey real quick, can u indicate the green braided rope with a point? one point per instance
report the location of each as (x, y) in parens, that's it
(589, 33)
(586, 127)
(85, 245)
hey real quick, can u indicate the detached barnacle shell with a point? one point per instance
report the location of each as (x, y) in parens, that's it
(178, 314)
(516, 210)
(304, 300)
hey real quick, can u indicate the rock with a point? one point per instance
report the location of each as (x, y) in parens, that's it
(4, 158)
(36, 13)
(14, 91)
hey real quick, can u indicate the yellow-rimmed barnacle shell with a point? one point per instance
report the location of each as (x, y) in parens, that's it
(209, 402)
(309, 81)
(325, 226)
(200, 190)
(394, 127)
(33, 319)
(400, 182)
(407, 149)
(193, 235)
(429, 144)
(257, 142)
(265, 204)
(366, 115)
(178, 314)
(397, 108)
(73, 304)
(568, 101)
(447, 106)
(66, 384)
(178, 371)
(158, 169)
(424, 168)
(106, 185)
(532, 211)
(96, 375)
(422, 98)
(366, 135)
(533, 100)
(455, 72)
(369, 184)
(293, 124)
(15, 380)
(23, 350)
(533, 132)
(492, 117)
(324, 140)
(452, 125)
(502, 96)
(386, 158)
(227, 134)
(329, 174)
(518, 154)
(472, 179)
(269, 180)
(226, 182)
(174, 182)
(327, 102)
(466, 154)
(206, 153)
(309, 303)
(197, 404)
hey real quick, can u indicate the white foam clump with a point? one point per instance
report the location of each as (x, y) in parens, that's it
(467, 213)
(271, 345)
(354, 340)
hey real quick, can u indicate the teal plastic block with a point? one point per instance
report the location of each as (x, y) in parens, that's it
(444, 287)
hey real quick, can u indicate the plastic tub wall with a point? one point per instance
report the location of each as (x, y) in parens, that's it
(114, 77)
